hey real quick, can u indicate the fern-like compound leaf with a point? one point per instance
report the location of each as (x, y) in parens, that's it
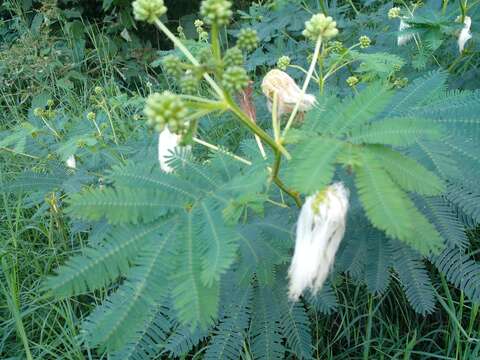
(295, 327)
(123, 205)
(408, 173)
(195, 302)
(461, 270)
(266, 330)
(414, 279)
(396, 132)
(378, 263)
(118, 320)
(389, 208)
(312, 166)
(219, 242)
(99, 266)
(229, 336)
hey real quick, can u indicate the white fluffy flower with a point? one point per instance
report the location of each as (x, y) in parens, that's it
(465, 34)
(288, 92)
(320, 229)
(167, 142)
(71, 162)
(404, 38)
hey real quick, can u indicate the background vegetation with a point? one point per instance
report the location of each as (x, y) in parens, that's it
(71, 58)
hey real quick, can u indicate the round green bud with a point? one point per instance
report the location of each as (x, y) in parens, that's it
(397, 67)
(198, 25)
(50, 103)
(352, 81)
(235, 79)
(216, 11)
(38, 112)
(336, 46)
(364, 41)
(181, 34)
(394, 13)
(233, 57)
(400, 83)
(203, 36)
(320, 26)
(166, 109)
(283, 62)
(98, 90)
(189, 83)
(247, 39)
(91, 116)
(172, 66)
(148, 10)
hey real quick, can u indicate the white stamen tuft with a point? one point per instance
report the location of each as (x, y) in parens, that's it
(465, 34)
(320, 229)
(71, 162)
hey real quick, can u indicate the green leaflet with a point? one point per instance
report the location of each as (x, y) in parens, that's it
(195, 302)
(312, 166)
(414, 278)
(358, 110)
(389, 208)
(101, 265)
(121, 205)
(126, 312)
(219, 242)
(378, 262)
(228, 340)
(408, 173)
(395, 131)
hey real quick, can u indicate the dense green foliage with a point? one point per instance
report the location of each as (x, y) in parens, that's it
(138, 263)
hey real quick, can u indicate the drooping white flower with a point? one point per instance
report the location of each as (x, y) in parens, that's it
(403, 38)
(320, 229)
(71, 162)
(465, 33)
(167, 142)
(288, 92)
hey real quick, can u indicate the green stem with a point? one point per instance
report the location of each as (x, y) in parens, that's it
(276, 168)
(255, 128)
(189, 56)
(215, 43)
(305, 85)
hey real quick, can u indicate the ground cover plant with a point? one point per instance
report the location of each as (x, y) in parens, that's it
(232, 181)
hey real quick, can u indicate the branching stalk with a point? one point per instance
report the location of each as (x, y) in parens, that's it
(316, 54)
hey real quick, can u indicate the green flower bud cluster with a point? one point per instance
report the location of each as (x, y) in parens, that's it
(50, 103)
(181, 33)
(235, 79)
(202, 34)
(397, 67)
(320, 26)
(98, 90)
(205, 55)
(188, 83)
(352, 81)
(283, 63)
(247, 39)
(44, 113)
(172, 65)
(336, 46)
(166, 109)
(394, 13)
(400, 83)
(233, 57)
(364, 41)
(216, 11)
(91, 116)
(148, 10)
